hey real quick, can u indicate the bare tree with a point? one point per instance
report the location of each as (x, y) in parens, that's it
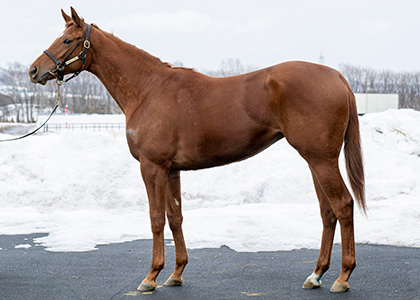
(367, 80)
(17, 91)
(231, 67)
(5, 113)
(86, 94)
(387, 82)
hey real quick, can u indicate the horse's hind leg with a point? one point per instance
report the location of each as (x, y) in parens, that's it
(329, 221)
(328, 176)
(174, 214)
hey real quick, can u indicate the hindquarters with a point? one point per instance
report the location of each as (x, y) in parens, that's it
(316, 111)
(311, 103)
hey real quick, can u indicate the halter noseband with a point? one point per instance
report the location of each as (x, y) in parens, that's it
(58, 72)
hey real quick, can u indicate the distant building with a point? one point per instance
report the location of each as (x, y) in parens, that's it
(5, 100)
(368, 103)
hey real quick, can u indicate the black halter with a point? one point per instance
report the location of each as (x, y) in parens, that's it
(58, 72)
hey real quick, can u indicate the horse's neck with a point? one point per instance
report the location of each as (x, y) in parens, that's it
(127, 72)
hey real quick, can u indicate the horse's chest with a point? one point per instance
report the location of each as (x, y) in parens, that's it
(133, 141)
(157, 145)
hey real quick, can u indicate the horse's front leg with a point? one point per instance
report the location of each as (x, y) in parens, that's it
(155, 179)
(174, 214)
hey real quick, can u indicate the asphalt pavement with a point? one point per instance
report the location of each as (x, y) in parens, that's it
(114, 272)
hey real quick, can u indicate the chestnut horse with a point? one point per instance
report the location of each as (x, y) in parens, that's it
(178, 119)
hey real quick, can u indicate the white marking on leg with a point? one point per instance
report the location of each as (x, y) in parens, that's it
(315, 279)
(176, 202)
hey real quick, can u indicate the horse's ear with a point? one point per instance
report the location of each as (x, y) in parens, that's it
(66, 17)
(77, 20)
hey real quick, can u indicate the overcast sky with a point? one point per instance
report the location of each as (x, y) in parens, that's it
(377, 34)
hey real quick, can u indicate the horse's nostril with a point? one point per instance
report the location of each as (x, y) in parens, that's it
(33, 72)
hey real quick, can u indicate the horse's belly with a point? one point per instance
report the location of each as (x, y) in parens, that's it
(221, 150)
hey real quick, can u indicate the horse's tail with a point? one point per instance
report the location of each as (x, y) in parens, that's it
(353, 154)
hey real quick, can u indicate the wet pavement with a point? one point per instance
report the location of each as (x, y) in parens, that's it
(114, 272)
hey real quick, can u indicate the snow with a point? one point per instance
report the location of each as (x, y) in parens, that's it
(84, 189)
(23, 246)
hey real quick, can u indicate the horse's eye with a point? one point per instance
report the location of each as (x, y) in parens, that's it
(67, 41)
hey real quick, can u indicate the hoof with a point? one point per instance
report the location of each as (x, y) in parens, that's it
(312, 282)
(173, 282)
(339, 287)
(145, 287)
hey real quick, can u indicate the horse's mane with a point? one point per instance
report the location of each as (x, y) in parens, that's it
(138, 51)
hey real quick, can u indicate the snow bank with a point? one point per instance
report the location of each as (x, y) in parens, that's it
(85, 189)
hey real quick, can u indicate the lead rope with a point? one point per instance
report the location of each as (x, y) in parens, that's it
(59, 83)
(57, 102)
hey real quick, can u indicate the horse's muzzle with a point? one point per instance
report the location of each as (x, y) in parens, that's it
(35, 78)
(33, 73)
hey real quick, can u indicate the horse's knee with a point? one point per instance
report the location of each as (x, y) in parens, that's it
(175, 222)
(158, 223)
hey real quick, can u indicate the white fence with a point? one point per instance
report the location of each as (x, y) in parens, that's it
(83, 122)
(84, 127)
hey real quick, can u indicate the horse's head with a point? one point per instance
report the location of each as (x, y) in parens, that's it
(66, 54)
